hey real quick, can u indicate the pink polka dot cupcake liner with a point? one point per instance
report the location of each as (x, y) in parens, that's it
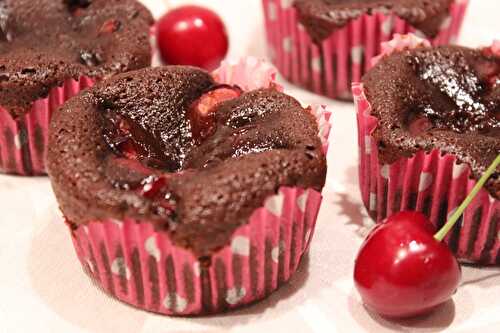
(430, 182)
(141, 266)
(331, 67)
(23, 140)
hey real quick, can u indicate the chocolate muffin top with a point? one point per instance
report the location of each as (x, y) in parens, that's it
(322, 17)
(171, 147)
(446, 98)
(44, 42)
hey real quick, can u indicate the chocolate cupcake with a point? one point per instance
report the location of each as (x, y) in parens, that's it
(49, 51)
(429, 126)
(185, 194)
(325, 45)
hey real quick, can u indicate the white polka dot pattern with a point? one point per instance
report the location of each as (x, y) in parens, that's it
(357, 54)
(275, 204)
(458, 170)
(302, 201)
(368, 145)
(446, 23)
(287, 44)
(175, 303)
(119, 267)
(426, 180)
(316, 64)
(241, 245)
(152, 248)
(373, 202)
(235, 295)
(272, 11)
(384, 171)
(286, 4)
(17, 141)
(388, 25)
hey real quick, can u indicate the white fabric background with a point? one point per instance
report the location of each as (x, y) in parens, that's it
(43, 289)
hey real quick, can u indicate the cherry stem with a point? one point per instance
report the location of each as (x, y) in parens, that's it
(441, 234)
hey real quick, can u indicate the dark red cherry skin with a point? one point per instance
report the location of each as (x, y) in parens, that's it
(402, 271)
(192, 35)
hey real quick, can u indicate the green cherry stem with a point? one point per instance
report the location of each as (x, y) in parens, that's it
(441, 234)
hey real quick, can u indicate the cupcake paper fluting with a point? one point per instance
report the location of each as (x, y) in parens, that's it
(23, 140)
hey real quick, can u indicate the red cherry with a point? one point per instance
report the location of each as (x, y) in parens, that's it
(202, 111)
(402, 270)
(192, 35)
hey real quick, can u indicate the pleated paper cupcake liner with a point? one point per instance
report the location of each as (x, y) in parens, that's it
(140, 266)
(23, 140)
(429, 182)
(330, 68)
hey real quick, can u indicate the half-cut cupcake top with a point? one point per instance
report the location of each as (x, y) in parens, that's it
(322, 17)
(170, 146)
(445, 98)
(44, 42)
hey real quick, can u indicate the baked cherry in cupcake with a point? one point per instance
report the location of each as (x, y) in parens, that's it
(185, 195)
(49, 51)
(429, 122)
(326, 45)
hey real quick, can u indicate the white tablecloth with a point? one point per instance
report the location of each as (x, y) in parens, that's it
(43, 288)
